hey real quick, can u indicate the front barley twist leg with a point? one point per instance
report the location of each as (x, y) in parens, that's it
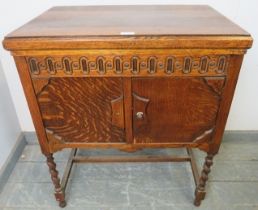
(200, 189)
(59, 194)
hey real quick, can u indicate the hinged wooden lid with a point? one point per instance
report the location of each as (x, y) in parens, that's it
(164, 26)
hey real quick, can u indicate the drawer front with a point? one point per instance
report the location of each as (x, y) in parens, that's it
(81, 110)
(175, 110)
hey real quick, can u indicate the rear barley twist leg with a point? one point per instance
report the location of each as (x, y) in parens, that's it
(59, 194)
(200, 189)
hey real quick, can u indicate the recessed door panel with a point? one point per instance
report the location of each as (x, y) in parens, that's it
(82, 110)
(175, 110)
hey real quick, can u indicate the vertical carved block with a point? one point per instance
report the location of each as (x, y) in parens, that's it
(101, 65)
(50, 65)
(187, 65)
(84, 65)
(118, 65)
(135, 65)
(221, 64)
(67, 66)
(33, 66)
(203, 65)
(152, 64)
(169, 65)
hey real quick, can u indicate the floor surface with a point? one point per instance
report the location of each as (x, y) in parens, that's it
(233, 182)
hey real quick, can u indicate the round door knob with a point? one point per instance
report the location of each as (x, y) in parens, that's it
(139, 115)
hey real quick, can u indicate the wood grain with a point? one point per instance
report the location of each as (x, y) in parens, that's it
(27, 84)
(117, 106)
(99, 27)
(180, 20)
(177, 110)
(234, 44)
(79, 110)
(226, 100)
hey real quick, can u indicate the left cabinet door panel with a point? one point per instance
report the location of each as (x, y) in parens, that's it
(81, 110)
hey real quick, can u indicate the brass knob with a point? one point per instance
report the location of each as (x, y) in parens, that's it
(139, 115)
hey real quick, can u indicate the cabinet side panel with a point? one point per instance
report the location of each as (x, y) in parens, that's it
(227, 97)
(26, 81)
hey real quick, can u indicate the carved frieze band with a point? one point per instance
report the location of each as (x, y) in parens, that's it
(124, 64)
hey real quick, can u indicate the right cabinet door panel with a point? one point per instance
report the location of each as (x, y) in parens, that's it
(176, 109)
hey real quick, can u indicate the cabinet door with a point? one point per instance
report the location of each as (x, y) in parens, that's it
(175, 110)
(81, 110)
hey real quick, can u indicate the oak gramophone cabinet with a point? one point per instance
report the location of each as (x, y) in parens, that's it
(129, 77)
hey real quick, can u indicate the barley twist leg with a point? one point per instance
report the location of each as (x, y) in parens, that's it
(200, 189)
(59, 194)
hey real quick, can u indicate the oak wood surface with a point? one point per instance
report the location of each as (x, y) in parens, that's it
(132, 42)
(185, 111)
(139, 158)
(75, 21)
(159, 26)
(82, 110)
(130, 63)
(227, 97)
(28, 89)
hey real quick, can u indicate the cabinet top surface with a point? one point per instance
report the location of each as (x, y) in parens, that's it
(174, 20)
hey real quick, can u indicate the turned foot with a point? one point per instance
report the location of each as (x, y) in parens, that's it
(200, 189)
(62, 204)
(59, 194)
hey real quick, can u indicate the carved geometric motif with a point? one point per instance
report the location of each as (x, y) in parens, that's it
(216, 83)
(127, 64)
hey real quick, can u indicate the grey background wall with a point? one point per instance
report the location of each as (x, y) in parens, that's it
(14, 13)
(9, 125)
